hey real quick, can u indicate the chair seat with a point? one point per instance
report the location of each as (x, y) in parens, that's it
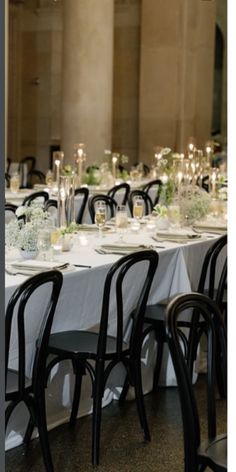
(215, 452)
(12, 381)
(83, 343)
(155, 313)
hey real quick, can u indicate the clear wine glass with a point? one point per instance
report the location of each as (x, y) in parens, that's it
(44, 241)
(56, 240)
(100, 215)
(121, 221)
(138, 207)
(138, 204)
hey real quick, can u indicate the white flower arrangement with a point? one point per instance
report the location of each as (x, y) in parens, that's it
(12, 233)
(28, 238)
(24, 236)
(223, 193)
(33, 212)
(194, 203)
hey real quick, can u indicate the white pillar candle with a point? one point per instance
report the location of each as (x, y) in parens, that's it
(114, 162)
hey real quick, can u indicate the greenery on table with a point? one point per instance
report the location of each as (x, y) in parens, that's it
(91, 176)
(168, 192)
(68, 170)
(72, 228)
(160, 210)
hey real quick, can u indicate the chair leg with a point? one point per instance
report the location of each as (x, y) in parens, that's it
(42, 429)
(124, 390)
(220, 376)
(157, 370)
(140, 400)
(31, 422)
(97, 411)
(76, 397)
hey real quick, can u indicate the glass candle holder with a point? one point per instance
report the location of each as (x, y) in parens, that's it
(66, 200)
(80, 157)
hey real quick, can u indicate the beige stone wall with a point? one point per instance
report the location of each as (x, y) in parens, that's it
(126, 78)
(221, 19)
(87, 71)
(34, 81)
(176, 74)
(162, 78)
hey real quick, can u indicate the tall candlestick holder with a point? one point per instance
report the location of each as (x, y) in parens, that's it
(213, 182)
(114, 161)
(80, 157)
(66, 200)
(57, 165)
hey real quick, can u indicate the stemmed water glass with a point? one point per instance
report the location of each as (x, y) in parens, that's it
(121, 221)
(138, 207)
(44, 241)
(100, 215)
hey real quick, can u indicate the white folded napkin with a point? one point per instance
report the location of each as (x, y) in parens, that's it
(121, 248)
(210, 227)
(125, 246)
(37, 265)
(177, 236)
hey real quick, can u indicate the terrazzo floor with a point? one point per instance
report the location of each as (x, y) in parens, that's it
(122, 447)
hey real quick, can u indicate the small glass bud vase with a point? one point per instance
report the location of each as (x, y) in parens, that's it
(162, 222)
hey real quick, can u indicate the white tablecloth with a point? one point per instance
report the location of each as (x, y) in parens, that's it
(79, 308)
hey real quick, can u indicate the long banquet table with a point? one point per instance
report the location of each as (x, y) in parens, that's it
(79, 307)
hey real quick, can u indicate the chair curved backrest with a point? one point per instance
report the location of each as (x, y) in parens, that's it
(109, 201)
(16, 309)
(149, 189)
(30, 161)
(85, 194)
(210, 286)
(209, 267)
(35, 177)
(118, 272)
(7, 179)
(9, 161)
(42, 195)
(121, 188)
(10, 212)
(10, 207)
(50, 207)
(145, 167)
(148, 205)
(216, 332)
(50, 203)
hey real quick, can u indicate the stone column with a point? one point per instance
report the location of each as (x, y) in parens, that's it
(176, 82)
(87, 70)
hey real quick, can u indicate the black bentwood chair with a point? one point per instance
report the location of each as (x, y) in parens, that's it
(213, 452)
(42, 196)
(85, 348)
(10, 212)
(51, 203)
(35, 177)
(155, 314)
(150, 187)
(19, 387)
(84, 192)
(110, 205)
(148, 205)
(123, 188)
